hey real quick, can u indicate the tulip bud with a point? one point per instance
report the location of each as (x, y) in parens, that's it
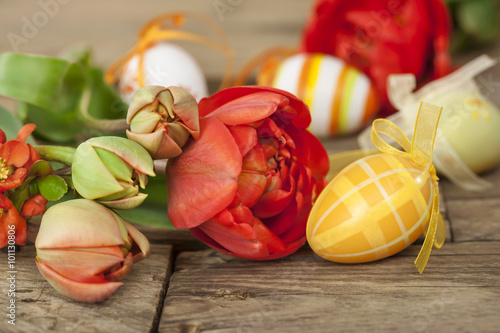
(110, 170)
(162, 119)
(83, 249)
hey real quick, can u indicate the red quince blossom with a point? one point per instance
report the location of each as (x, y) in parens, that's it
(16, 156)
(10, 217)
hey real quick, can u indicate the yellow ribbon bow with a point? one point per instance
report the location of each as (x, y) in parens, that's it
(420, 152)
(167, 27)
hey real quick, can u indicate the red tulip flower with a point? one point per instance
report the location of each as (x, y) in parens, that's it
(383, 37)
(246, 186)
(16, 157)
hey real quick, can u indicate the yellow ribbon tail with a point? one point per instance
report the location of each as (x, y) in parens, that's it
(430, 237)
(440, 233)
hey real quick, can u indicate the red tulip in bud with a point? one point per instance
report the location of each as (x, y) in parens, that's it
(84, 249)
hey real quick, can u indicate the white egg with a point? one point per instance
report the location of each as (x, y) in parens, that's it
(164, 64)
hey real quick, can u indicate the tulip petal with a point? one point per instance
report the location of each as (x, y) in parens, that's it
(58, 231)
(131, 152)
(275, 201)
(79, 265)
(245, 137)
(251, 186)
(123, 271)
(250, 108)
(310, 151)
(78, 291)
(144, 247)
(266, 236)
(296, 230)
(203, 180)
(118, 168)
(141, 98)
(252, 181)
(145, 122)
(302, 117)
(186, 109)
(158, 144)
(291, 248)
(125, 203)
(283, 221)
(238, 238)
(90, 176)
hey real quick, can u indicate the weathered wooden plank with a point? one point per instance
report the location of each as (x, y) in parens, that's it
(454, 192)
(475, 219)
(180, 239)
(133, 308)
(458, 291)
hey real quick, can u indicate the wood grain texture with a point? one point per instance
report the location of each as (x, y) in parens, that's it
(475, 219)
(455, 192)
(40, 308)
(458, 291)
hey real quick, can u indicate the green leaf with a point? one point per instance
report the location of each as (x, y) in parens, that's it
(11, 125)
(151, 215)
(104, 102)
(51, 93)
(52, 187)
(153, 212)
(40, 168)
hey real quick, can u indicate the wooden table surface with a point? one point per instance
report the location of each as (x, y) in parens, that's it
(187, 287)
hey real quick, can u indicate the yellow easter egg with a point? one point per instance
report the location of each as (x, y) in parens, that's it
(374, 208)
(342, 100)
(471, 126)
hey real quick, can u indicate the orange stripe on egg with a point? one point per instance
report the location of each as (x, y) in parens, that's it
(338, 96)
(304, 75)
(372, 104)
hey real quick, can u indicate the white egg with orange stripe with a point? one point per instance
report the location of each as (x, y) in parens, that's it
(163, 64)
(342, 100)
(374, 208)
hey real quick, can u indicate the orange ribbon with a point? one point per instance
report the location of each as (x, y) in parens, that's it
(167, 27)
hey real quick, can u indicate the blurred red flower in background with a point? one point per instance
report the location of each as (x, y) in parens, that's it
(246, 186)
(382, 37)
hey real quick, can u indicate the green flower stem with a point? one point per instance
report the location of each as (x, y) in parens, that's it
(105, 125)
(56, 154)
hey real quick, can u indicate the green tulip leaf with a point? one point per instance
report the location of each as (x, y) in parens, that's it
(150, 215)
(52, 187)
(11, 125)
(40, 168)
(64, 98)
(153, 211)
